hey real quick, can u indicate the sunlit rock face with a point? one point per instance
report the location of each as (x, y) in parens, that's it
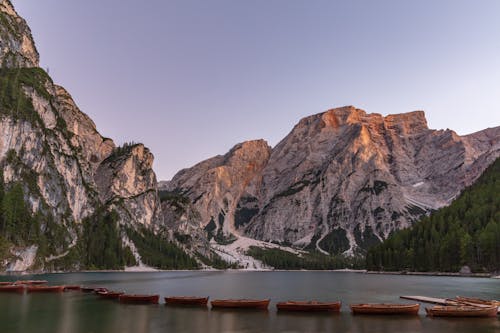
(340, 181)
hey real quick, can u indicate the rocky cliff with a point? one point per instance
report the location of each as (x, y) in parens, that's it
(65, 167)
(341, 181)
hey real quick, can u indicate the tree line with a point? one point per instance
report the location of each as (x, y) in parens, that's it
(465, 233)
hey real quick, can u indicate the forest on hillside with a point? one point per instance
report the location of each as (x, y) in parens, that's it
(465, 233)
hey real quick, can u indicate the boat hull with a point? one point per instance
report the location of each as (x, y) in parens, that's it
(139, 299)
(385, 309)
(39, 289)
(75, 288)
(110, 294)
(189, 301)
(309, 306)
(461, 311)
(13, 289)
(240, 304)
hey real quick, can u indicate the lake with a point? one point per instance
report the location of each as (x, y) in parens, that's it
(73, 312)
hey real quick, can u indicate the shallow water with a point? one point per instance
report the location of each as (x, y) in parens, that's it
(79, 312)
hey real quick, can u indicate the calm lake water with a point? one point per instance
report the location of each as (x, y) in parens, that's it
(73, 312)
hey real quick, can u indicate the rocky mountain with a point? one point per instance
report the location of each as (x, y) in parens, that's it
(65, 168)
(339, 182)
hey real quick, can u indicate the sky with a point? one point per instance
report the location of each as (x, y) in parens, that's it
(190, 79)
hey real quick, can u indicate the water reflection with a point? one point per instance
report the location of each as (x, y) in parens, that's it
(74, 312)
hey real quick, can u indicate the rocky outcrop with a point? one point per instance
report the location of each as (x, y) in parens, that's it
(67, 169)
(340, 181)
(17, 48)
(126, 182)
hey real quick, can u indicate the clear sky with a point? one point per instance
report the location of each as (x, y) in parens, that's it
(192, 78)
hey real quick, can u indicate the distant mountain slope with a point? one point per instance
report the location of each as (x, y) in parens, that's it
(339, 182)
(465, 233)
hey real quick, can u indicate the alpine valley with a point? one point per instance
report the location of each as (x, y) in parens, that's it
(340, 182)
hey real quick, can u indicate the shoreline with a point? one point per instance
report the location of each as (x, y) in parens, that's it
(345, 270)
(451, 274)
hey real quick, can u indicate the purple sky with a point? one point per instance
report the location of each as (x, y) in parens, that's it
(192, 78)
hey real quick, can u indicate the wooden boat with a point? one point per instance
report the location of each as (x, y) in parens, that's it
(13, 288)
(44, 289)
(72, 287)
(110, 294)
(308, 306)
(385, 309)
(139, 299)
(478, 301)
(461, 311)
(31, 282)
(90, 289)
(241, 303)
(186, 300)
(6, 283)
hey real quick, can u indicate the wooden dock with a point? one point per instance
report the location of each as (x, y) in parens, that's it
(425, 299)
(443, 301)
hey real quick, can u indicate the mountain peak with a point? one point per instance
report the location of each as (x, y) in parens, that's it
(409, 123)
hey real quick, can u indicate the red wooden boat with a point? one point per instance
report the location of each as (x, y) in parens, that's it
(44, 289)
(6, 283)
(385, 309)
(139, 299)
(309, 306)
(72, 287)
(186, 300)
(31, 282)
(461, 311)
(13, 288)
(241, 303)
(110, 294)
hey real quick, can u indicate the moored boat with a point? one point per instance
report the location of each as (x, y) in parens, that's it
(186, 300)
(241, 303)
(110, 294)
(139, 299)
(308, 306)
(385, 309)
(31, 282)
(72, 287)
(13, 288)
(44, 289)
(477, 301)
(461, 311)
(91, 289)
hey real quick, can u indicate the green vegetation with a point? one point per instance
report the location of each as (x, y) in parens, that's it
(122, 150)
(101, 245)
(157, 251)
(13, 100)
(19, 227)
(465, 233)
(335, 242)
(280, 259)
(365, 239)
